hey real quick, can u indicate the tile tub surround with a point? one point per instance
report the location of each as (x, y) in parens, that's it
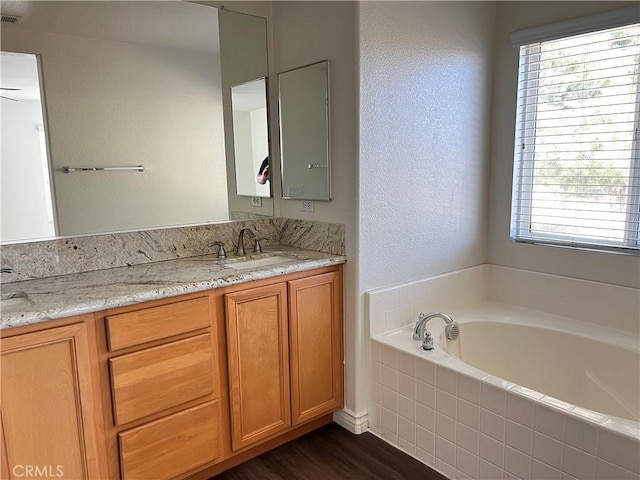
(448, 426)
(74, 294)
(87, 253)
(609, 306)
(465, 427)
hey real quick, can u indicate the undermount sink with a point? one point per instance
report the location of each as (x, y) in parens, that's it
(258, 262)
(14, 301)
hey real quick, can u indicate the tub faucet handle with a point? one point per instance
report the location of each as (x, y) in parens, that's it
(427, 341)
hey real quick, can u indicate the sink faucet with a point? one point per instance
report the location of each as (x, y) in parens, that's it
(240, 248)
(420, 331)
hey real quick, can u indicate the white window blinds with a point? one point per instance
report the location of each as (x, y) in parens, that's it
(577, 167)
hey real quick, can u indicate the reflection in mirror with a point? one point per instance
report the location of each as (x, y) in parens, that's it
(251, 138)
(148, 92)
(27, 209)
(304, 132)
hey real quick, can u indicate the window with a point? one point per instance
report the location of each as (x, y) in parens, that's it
(577, 167)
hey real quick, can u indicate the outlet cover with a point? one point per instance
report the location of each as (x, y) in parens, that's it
(306, 205)
(256, 201)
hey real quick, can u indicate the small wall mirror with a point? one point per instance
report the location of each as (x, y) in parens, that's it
(251, 138)
(304, 132)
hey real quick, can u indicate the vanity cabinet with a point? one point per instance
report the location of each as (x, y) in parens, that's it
(47, 404)
(284, 346)
(160, 371)
(179, 388)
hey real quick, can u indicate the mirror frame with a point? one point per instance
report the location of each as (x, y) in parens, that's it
(327, 124)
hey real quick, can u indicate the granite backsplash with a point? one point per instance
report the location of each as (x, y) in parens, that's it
(50, 258)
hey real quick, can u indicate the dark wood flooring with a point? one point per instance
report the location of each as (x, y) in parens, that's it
(333, 453)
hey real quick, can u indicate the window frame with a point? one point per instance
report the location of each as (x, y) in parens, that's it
(524, 161)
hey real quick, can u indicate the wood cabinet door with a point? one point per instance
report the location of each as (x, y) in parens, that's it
(315, 322)
(46, 405)
(258, 358)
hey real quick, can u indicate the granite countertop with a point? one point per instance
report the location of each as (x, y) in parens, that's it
(66, 295)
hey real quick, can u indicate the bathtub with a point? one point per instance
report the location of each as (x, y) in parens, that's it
(520, 394)
(596, 369)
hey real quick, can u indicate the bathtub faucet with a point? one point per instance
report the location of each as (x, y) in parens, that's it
(420, 331)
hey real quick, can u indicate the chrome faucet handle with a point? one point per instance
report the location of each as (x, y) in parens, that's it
(427, 341)
(221, 251)
(257, 248)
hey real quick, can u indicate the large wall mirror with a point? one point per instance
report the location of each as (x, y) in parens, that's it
(251, 138)
(304, 132)
(123, 85)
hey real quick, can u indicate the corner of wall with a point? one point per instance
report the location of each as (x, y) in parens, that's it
(356, 423)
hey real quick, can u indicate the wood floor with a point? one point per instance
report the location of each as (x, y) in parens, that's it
(333, 453)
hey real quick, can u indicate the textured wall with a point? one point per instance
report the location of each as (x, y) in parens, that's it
(602, 267)
(425, 90)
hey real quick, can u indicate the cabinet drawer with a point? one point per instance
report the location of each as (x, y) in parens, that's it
(135, 328)
(172, 445)
(158, 378)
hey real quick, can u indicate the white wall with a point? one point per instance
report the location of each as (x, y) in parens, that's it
(260, 147)
(425, 90)
(249, 155)
(23, 198)
(303, 33)
(602, 267)
(243, 152)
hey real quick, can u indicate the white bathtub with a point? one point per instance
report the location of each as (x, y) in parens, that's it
(596, 369)
(521, 394)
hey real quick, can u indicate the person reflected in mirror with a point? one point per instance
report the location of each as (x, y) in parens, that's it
(263, 172)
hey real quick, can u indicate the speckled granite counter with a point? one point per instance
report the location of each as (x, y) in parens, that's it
(74, 294)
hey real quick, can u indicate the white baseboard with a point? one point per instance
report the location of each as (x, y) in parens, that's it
(355, 423)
